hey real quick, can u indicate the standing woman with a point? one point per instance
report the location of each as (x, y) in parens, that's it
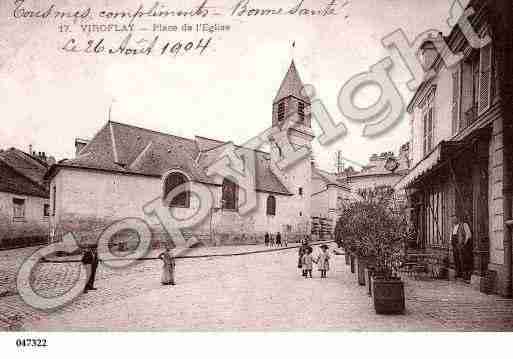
(168, 267)
(278, 239)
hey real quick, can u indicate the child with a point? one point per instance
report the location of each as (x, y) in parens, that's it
(168, 267)
(307, 262)
(323, 261)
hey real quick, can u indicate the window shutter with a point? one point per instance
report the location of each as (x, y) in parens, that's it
(455, 99)
(485, 78)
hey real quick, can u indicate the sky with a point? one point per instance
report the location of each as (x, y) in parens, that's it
(48, 96)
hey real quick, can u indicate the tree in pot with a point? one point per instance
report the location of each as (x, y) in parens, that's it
(376, 228)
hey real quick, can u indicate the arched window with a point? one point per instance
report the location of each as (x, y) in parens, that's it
(271, 205)
(174, 180)
(230, 196)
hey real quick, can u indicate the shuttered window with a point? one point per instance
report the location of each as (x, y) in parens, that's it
(301, 111)
(429, 123)
(485, 78)
(281, 111)
(469, 90)
(456, 94)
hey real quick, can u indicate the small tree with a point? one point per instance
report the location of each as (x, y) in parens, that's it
(373, 228)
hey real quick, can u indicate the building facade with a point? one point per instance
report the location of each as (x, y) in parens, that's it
(123, 169)
(24, 199)
(383, 171)
(328, 198)
(459, 151)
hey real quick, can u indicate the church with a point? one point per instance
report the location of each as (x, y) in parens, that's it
(123, 168)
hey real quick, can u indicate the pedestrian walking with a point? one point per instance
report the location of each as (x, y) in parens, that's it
(168, 267)
(323, 261)
(308, 262)
(271, 240)
(266, 239)
(278, 239)
(286, 240)
(90, 261)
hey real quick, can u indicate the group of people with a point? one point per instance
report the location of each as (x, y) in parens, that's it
(306, 260)
(270, 240)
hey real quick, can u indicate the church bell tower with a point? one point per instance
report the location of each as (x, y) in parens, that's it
(292, 105)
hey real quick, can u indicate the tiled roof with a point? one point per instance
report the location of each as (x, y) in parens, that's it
(128, 149)
(330, 178)
(22, 174)
(291, 86)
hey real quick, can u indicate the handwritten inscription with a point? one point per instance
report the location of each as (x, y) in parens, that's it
(160, 10)
(245, 8)
(142, 46)
(155, 19)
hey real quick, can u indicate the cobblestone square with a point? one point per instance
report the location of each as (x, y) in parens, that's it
(250, 292)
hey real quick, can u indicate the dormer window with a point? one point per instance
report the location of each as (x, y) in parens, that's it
(301, 111)
(281, 111)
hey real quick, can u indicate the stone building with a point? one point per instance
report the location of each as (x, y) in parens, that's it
(461, 148)
(123, 168)
(328, 197)
(24, 198)
(384, 170)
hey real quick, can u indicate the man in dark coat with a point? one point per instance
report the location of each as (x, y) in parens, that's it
(266, 238)
(90, 260)
(462, 248)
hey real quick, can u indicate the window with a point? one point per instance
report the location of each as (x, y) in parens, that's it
(456, 94)
(281, 111)
(300, 191)
(469, 90)
(434, 217)
(271, 206)
(46, 210)
(428, 120)
(18, 208)
(181, 199)
(54, 199)
(230, 196)
(300, 214)
(301, 111)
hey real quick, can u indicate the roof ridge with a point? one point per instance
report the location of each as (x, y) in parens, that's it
(23, 175)
(150, 130)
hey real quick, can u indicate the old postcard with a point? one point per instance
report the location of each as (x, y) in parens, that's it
(255, 165)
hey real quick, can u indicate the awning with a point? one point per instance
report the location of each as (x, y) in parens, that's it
(442, 153)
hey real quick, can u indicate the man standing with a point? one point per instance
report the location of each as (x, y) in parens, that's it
(90, 260)
(462, 248)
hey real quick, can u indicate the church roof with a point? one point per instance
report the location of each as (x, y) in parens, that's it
(291, 86)
(123, 148)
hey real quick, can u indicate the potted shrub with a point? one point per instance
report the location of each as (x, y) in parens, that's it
(375, 230)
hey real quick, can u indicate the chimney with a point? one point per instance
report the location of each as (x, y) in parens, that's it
(79, 145)
(429, 52)
(51, 161)
(30, 149)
